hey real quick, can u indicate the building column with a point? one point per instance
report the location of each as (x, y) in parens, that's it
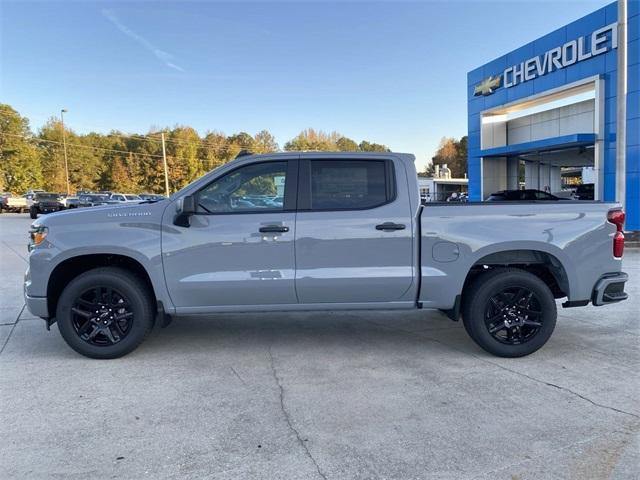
(531, 175)
(513, 173)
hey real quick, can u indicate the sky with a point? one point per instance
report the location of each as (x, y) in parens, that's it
(388, 72)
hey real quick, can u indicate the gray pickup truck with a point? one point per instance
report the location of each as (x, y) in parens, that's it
(320, 231)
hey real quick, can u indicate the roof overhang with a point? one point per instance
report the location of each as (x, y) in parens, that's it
(544, 145)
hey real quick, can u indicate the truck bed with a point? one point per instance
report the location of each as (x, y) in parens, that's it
(572, 238)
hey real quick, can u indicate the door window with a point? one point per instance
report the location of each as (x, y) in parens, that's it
(348, 184)
(258, 187)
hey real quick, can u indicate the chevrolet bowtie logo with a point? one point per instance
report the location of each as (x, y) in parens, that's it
(488, 86)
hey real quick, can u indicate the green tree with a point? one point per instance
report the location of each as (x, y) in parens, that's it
(372, 147)
(311, 139)
(182, 157)
(213, 150)
(264, 142)
(20, 162)
(53, 156)
(345, 144)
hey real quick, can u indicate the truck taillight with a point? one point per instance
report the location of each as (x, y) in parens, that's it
(617, 218)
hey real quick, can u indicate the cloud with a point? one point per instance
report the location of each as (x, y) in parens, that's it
(161, 55)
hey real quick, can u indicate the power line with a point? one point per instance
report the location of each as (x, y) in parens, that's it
(36, 139)
(126, 152)
(148, 137)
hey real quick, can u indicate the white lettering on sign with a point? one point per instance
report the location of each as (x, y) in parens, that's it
(558, 58)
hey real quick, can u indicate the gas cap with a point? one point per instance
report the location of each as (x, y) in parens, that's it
(445, 252)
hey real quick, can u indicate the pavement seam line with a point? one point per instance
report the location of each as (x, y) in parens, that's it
(287, 417)
(543, 382)
(15, 251)
(12, 329)
(238, 376)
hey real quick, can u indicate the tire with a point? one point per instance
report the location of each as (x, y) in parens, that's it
(78, 321)
(502, 319)
(33, 213)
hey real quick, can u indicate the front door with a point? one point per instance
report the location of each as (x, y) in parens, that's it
(354, 239)
(239, 246)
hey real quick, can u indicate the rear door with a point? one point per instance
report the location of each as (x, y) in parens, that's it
(353, 231)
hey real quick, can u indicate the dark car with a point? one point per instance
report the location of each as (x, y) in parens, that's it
(520, 195)
(585, 191)
(45, 202)
(93, 200)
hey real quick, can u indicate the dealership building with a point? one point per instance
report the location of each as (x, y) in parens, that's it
(555, 110)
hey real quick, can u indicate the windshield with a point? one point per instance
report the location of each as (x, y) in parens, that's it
(132, 197)
(47, 196)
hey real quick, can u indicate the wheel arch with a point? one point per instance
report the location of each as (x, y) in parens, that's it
(71, 267)
(543, 264)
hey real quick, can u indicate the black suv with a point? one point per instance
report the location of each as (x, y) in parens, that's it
(585, 191)
(520, 195)
(45, 202)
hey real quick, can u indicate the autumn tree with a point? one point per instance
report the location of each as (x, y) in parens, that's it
(453, 153)
(20, 162)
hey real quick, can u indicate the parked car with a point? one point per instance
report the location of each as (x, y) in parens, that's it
(44, 202)
(585, 191)
(70, 202)
(520, 195)
(125, 198)
(12, 203)
(153, 197)
(93, 200)
(350, 234)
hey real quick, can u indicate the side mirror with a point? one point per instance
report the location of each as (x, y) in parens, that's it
(188, 206)
(185, 208)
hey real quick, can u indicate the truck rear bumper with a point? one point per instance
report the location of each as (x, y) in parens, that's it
(37, 306)
(610, 289)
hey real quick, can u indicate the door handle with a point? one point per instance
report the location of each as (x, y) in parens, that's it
(390, 226)
(273, 229)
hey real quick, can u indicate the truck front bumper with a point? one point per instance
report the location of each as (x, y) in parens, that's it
(610, 289)
(37, 306)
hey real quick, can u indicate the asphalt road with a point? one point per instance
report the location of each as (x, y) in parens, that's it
(383, 395)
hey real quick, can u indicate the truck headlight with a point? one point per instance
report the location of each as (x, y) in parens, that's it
(37, 234)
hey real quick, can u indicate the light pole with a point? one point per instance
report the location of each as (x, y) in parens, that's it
(64, 147)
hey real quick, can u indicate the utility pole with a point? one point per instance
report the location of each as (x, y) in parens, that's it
(64, 147)
(166, 172)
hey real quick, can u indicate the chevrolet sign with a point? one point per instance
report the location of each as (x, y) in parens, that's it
(555, 59)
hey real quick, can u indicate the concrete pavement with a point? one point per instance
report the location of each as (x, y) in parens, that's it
(319, 396)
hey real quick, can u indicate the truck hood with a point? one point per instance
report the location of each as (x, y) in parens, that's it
(121, 213)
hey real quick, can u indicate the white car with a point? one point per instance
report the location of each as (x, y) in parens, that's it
(125, 198)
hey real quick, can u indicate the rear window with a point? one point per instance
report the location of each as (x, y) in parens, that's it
(348, 184)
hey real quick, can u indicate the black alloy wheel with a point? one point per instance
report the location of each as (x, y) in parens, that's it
(514, 315)
(102, 316)
(106, 312)
(509, 312)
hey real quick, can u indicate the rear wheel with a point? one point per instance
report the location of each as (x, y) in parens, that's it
(509, 312)
(105, 313)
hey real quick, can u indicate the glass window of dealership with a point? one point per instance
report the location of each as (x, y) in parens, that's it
(547, 115)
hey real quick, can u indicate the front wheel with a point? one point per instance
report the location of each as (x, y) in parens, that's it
(105, 313)
(509, 312)
(33, 213)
